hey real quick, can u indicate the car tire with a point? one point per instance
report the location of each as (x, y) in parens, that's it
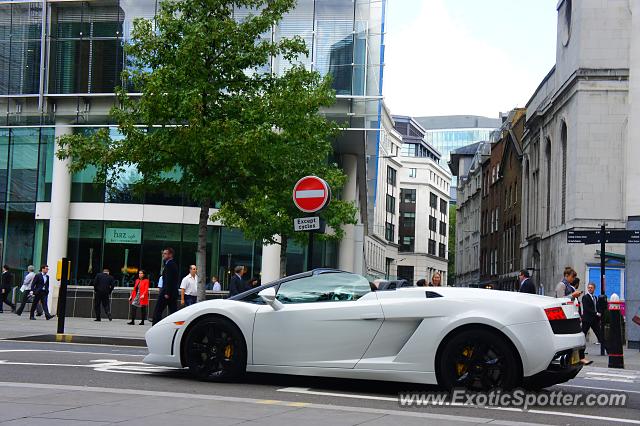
(478, 360)
(215, 349)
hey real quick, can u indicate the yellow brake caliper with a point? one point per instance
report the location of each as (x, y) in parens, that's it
(228, 351)
(461, 368)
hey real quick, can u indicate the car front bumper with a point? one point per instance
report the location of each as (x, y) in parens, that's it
(162, 341)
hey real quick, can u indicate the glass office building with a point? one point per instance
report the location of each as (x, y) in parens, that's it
(450, 132)
(60, 62)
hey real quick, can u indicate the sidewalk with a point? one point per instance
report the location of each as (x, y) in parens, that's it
(13, 326)
(631, 357)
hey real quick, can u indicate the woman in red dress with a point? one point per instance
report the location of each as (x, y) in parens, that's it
(139, 297)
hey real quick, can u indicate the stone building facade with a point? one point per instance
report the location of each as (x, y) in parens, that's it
(580, 143)
(466, 165)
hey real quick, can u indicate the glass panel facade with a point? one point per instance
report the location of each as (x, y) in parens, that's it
(20, 32)
(85, 42)
(20, 152)
(447, 140)
(86, 47)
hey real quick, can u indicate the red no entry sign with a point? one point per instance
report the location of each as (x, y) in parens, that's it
(311, 194)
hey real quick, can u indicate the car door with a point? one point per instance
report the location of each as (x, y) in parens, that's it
(326, 320)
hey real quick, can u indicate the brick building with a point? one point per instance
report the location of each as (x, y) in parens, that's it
(500, 206)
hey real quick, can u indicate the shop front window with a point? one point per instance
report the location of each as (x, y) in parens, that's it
(122, 250)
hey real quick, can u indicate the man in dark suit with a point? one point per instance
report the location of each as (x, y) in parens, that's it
(591, 312)
(40, 289)
(103, 285)
(7, 287)
(237, 285)
(168, 296)
(526, 285)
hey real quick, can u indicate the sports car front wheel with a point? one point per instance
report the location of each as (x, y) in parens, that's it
(214, 349)
(478, 360)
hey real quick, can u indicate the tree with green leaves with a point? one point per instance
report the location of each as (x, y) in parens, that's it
(210, 121)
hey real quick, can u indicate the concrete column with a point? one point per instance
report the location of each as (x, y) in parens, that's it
(347, 247)
(59, 221)
(270, 262)
(632, 195)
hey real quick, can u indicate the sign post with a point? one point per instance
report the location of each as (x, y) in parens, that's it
(63, 274)
(310, 195)
(602, 236)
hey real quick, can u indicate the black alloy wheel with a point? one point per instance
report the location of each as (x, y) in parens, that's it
(215, 349)
(479, 360)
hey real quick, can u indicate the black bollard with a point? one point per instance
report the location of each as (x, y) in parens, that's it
(614, 345)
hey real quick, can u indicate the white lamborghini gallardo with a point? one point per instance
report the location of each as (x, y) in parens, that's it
(336, 324)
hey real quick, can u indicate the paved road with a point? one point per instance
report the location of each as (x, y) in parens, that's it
(66, 384)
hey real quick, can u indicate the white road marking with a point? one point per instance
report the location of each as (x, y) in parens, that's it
(310, 193)
(297, 405)
(308, 391)
(17, 340)
(68, 352)
(103, 365)
(596, 388)
(512, 409)
(609, 379)
(627, 376)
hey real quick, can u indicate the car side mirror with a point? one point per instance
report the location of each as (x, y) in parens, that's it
(268, 296)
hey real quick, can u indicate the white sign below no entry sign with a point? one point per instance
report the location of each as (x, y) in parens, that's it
(306, 223)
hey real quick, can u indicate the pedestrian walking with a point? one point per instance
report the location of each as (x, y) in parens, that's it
(215, 284)
(168, 295)
(27, 294)
(103, 285)
(565, 287)
(526, 285)
(591, 312)
(7, 288)
(237, 285)
(436, 280)
(40, 290)
(189, 287)
(139, 298)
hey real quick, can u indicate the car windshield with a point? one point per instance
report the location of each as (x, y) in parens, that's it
(335, 287)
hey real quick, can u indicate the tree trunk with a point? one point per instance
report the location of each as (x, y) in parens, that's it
(201, 254)
(283, 256)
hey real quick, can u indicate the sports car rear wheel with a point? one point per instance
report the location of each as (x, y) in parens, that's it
(214, 349)
(478, 360)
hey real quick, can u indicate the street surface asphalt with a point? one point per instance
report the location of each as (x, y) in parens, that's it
(72, 384)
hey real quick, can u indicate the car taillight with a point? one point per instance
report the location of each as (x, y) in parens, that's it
(554, 314)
